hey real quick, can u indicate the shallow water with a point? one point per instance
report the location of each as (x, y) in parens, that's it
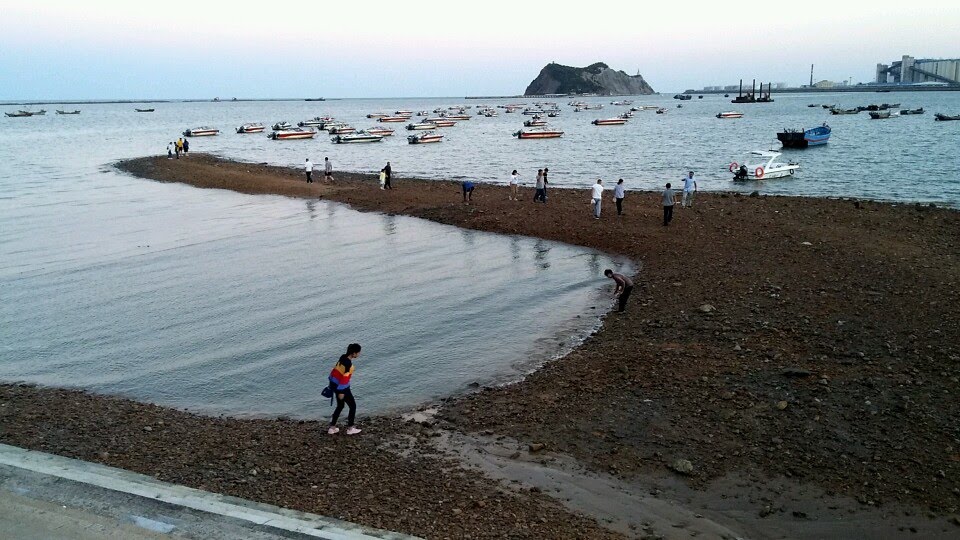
(239, 304)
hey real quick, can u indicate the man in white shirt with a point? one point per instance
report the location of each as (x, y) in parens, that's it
(618, 193)
(308, 168)
(689, 189)
(597, 197)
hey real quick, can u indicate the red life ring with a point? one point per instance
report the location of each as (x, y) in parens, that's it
(733, 166)
(759, 172)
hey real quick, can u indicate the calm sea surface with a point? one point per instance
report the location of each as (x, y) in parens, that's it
(239, 304)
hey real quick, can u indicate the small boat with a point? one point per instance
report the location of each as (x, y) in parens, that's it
(553, 114)
(802, 138)
(41, 112)
(538, 133)
(762, 165)
(945, 117)
(845, 111)
(730, 114)
(421, 126)
(360, 137)
(661, 110)
(622, 102)
(293, 133)
(491, 114)
(341, 130)
(532, 112)
(60, 111)
(882, 115)
(458, 117)
(331, 124)
(886, 106)
(383, 132)
(425, 137)
(408, 114)
(281, 126)
(423, 113)
(393, 119)
(18, 114)
(144, 110)
(252, 127)
(204, 131)
(824, 106)
(912, 111)
(535, 121)
(596, 107)
(444, 122)
(377, 115)
(683, 97)
(814, 105)
(609, 121)
(315, 121)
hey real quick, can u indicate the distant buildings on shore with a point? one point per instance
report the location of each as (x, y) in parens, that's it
(910, 70)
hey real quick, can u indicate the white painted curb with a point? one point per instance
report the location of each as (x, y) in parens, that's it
(144, 486)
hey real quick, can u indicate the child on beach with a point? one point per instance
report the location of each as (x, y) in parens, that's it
(514, 186)
(669, 199)
(339, 383)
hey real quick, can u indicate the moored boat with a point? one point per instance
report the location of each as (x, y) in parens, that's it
(662, 110)
(458, 117)
(535, 121)
(315, 121)
(360, 137)
(730, 114)
(881, 115)
(912, 111)
(204, 131)
(383, 132)
(406, 113)
(444, 122)
(845, 111)
(609, 121)
(18, 114)
(761, 165)
(61, 111)
(539, 133)
(341, 130)
(377, 115)
(421, 126)
(293, 133)
(251, 127)
(802, 138)
(393, 119)
(281, 126)
(940, 117)
(425, 137)
(144, 110)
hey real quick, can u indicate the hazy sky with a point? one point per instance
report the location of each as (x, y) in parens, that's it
(101, 49)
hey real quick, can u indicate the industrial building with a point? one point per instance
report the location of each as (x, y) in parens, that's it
(910, 70)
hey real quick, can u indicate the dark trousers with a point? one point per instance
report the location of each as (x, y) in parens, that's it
(309, 177)
(619, 206)
(540, 195)
(349, 402)
(624, 296)
(667, 214)
(387, 183)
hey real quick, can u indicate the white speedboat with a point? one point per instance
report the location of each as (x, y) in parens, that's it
(393, 119)
(359, 137)
(421, 126)
(293, 133)
(609, 122)
(381, 131)
(535, 121)
(730, 114)
(341, 130)
(280, 126)
(542, 132)
(251, 127)
(377, 115)
(762, 165)
(201, 132)
(425, 137)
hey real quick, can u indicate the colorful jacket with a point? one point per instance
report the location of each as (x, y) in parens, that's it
(341, 373)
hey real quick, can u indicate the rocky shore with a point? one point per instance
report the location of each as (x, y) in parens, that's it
(773, 339)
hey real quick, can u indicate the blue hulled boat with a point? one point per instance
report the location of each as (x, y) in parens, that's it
(802, 138)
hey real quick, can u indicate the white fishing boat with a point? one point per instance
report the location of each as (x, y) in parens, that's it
(421, 126)
(293, 133)
(315, 121)
(609, 121)
(406, 113)
(535, 121)
(445, 122)
(382, 131)
(730, 114)
(359, 137)
(529, 111)
(280, 126)
(251, 127)
(377, 115)
(458, 117)
(393, 119)
(341, 130)
(204, 131)
(762, 165)
(425, 138)
(539, 133)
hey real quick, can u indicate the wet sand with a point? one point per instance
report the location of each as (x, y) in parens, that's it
(772, 339)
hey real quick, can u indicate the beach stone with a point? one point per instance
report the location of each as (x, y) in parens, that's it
(737, 347)
(147, 428)
(805, 244)
(707, 308)
(682, 466)
(537, 447)
(782, 405)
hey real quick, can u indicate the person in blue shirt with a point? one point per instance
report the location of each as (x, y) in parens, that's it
(468, 186)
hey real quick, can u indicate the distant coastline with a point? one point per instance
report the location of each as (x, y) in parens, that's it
(862, 88)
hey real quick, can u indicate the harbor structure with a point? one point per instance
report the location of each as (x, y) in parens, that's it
(910, 70)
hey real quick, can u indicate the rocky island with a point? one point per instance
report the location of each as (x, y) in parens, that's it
(597, 78)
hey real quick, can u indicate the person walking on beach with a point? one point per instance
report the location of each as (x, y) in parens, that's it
(389, 172)
(541, 194)
(618, 193)
(186, 147)
(546, 182)
(669, 199)
(383, 178)
(308, 169)
(468, 187)
(327, 169)
(689, 190)
(514, 186)
(170, 150)
(622, 290)
(597, 198)
(339, 384)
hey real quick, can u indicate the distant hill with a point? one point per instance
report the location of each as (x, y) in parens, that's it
(594, 79)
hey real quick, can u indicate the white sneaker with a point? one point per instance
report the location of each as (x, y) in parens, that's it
(353, 430)
(333, 430)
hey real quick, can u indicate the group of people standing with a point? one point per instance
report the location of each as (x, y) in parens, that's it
(180, 146)
(327, 170)
(668, 197)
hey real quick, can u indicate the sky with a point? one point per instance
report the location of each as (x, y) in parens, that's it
(196, 49)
